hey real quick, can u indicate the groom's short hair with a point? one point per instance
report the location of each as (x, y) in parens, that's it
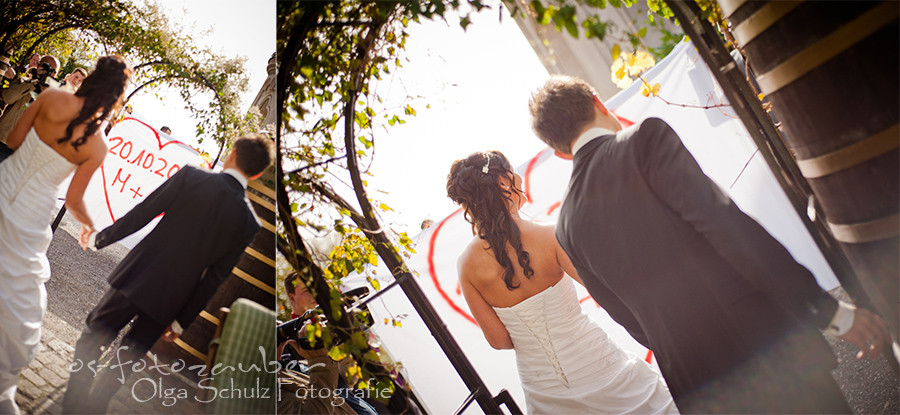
(560, 110)
(253, 153)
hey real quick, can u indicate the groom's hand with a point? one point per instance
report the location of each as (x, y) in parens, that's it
(169, 335)
(869, 333)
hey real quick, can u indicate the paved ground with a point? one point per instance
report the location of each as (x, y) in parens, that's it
(79, 280)
(77, 283)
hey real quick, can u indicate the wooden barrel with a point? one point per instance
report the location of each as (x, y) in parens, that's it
(830, 70)
(253, 278)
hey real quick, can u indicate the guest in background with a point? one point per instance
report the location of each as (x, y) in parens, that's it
(32, 63)
(73, 80)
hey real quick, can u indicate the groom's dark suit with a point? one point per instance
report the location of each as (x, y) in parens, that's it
(170, 275)
(175, 270)
(729, 314)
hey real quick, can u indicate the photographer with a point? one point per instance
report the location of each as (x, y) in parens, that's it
(24, 90)
(311, 382)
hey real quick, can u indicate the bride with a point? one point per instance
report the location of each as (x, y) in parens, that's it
(60, 133)
(513, 277)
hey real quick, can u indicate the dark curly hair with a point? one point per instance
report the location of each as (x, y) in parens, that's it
(102, 91)
(474, 183)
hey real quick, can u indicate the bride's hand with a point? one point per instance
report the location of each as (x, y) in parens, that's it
(85, 237)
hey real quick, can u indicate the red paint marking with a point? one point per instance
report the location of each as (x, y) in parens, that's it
(527, 178)
(458, 288)
(649, 358)
(108, 206)
(155, 133)
(158, 143)
(433, 273)
(625, 121)
(553, 207)
(581, 301)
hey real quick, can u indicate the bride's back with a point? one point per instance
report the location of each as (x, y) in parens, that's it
(487, 276)
(58, 109)
(72, 124)
(491, 194)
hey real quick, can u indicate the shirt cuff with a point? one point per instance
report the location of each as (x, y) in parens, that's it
(842, 320)
(92, 242)
(176, 327)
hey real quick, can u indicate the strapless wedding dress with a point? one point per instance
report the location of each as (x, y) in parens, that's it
(567, 364)
(29, 182)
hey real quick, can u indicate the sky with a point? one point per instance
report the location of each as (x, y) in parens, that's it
(235, 28)
(477, 83)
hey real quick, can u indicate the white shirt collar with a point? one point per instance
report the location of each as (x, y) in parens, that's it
(237, 175)
(588, 136)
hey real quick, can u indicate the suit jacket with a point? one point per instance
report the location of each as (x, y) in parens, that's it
(177, 268)
(671, 258)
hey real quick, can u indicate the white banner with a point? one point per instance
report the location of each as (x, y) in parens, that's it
(716, 138)
(139, 159)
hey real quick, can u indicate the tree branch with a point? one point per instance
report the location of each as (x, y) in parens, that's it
(307, 167)
(147, 83)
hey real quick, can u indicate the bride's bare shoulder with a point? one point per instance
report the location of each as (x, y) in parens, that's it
(55, 96)
(540, 230)
(59, 104)
(475, 256)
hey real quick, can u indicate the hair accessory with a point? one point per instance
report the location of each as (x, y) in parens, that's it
(487, 165)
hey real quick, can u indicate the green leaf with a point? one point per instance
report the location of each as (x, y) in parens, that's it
(465, 22)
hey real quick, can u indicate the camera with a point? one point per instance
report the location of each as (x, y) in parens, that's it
(41, 76)
(288, 330)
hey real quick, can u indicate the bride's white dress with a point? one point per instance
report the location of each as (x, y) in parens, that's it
(29, 182)
(567, 364)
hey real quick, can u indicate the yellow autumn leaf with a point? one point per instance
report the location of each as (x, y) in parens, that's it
(645, 91)
(337, 353)
(655, 89)
(617, 70)
(639, 61)
(354, 371)
(616, 51)
(617, 74)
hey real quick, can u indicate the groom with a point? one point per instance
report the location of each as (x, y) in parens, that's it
(732, 318)
(167, 279)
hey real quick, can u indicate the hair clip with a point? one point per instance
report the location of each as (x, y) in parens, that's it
(487, 165)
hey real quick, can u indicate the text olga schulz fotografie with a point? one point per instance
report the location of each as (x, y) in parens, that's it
(147, 389)
(152, 387)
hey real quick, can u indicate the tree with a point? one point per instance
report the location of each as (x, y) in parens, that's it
(76, 31)
(577, 17)
(329, 54)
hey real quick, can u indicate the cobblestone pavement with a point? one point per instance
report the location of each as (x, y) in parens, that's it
(79, 280)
